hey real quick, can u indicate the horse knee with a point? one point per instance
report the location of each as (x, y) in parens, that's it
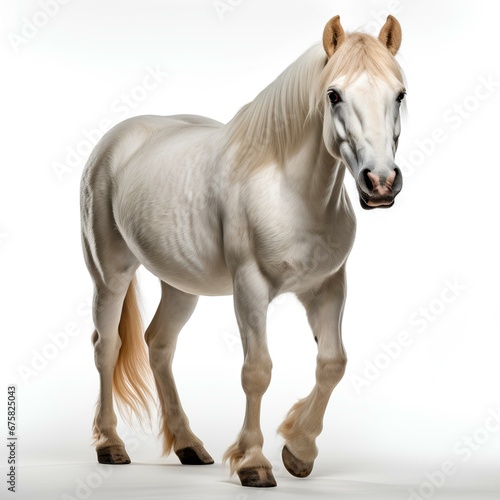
(157, 355)
(106, 350)
(256, 375)
(330, 370)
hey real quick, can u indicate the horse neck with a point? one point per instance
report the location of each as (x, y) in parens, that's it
(314, 174)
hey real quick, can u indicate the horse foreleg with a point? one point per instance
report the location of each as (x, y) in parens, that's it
(251, 299)
(304, 422)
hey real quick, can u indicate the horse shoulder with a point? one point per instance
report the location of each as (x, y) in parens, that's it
(291, 245)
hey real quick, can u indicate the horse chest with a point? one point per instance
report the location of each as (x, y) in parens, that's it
(306, 259)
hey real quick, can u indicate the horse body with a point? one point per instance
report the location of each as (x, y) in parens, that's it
(184, 214)
(253, 208)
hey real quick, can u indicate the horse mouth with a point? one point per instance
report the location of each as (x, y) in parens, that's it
(371, 203)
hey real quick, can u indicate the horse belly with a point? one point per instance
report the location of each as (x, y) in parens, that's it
(187, 256)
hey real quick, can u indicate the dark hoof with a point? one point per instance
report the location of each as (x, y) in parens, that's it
(257, 478)
(115, 455)
(195, 455)
(295, 466)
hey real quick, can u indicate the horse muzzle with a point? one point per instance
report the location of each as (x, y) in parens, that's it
(378, 190)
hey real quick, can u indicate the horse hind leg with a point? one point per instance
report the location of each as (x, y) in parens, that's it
(173, 312)
(120, 351)
(110, 310)
(121, 360)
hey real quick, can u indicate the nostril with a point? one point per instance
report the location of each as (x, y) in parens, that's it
(366, 180)
(398, 181)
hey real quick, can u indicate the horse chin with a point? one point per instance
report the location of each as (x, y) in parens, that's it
(370, 205)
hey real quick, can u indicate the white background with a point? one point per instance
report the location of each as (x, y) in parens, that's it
(71, 74)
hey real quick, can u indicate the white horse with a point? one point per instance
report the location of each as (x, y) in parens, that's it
(253, 208)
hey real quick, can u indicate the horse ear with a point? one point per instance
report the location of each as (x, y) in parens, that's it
(390, 35)
(333, 35)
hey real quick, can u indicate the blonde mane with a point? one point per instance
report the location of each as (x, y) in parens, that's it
(268, 129)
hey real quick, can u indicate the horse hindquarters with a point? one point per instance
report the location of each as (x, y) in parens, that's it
(120, 353)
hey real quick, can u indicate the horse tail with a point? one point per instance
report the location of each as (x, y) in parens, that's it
(132, 377)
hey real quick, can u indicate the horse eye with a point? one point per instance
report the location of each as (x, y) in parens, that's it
(401, 96)
(334, 97)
